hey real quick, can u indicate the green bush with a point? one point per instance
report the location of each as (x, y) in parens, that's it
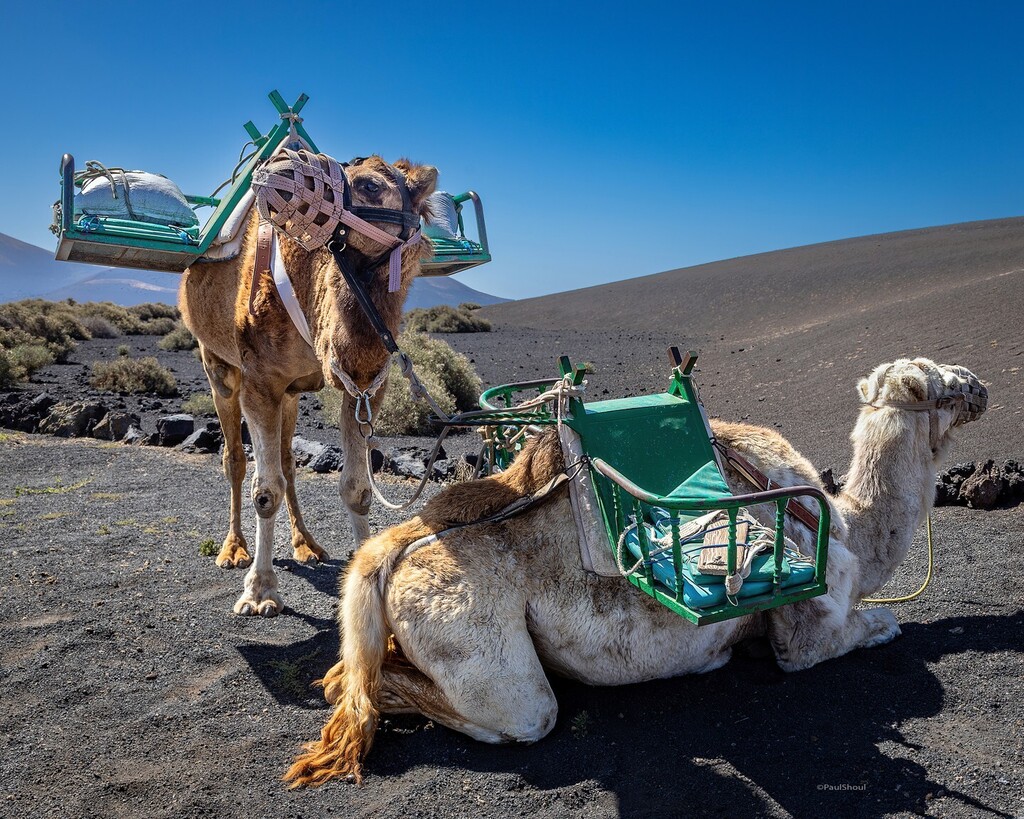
(27, 359)
(99, 327)
(159, 326)
(7, 376)
(38, 321)
(180, 338)
(155, 310)
(133, 375)
(121, 317)
(123, 350)
(469, 306)
(199, 403)
(456, 373)
(447, 375)
(445, 319)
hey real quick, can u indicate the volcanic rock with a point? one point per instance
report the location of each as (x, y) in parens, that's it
(173, 429)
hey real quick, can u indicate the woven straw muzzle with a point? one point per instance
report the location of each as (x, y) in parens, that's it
(975, 394)
(301, 193)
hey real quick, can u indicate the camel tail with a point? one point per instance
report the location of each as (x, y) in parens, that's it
(353, 683)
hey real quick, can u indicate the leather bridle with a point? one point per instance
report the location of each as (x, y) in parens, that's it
(968, 401)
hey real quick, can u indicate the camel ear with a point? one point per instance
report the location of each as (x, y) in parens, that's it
(864, 388)
(420, 179)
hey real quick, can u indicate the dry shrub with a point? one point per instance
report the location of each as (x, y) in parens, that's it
(447, 375)
(7, 377)
(133, 375)
(27, 359)
(445, 319)
(199, 403)
(159, 326)
(99, 327)
(155, 310)
(178, 339)
(35, 321)
(454, 369)
(121, 317)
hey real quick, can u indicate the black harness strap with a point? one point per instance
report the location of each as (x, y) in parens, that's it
(357, 285)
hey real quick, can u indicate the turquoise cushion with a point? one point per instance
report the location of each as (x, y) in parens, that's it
(701, 590)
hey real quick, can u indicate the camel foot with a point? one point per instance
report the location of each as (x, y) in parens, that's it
(306, 550)
(882, 627)
(234, 554)
(260, 596)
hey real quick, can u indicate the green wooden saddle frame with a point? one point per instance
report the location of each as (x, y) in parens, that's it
(125, 243)
(639, 451)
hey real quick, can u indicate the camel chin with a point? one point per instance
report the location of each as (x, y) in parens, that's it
(429, 629)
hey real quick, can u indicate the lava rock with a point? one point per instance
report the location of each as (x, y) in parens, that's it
(202, 440)
(982, 489)
(173, 429)
(330, 459)
(134, 437)
(115, 425)
(305, 451)
(411, 462)
(376, 460)
(18, 411)
(73, 420)
(949, 482)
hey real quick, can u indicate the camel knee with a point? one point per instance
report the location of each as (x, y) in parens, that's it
(267, 494)
(355, 494)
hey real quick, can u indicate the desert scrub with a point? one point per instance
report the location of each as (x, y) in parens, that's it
(123, 350)
(133, 375)
(454, 370)
(178, 339)
(121, 317)
(27, 359)
(445, 319)
(199, 403)
(447, 375)
(155, 310)
(99, 327)
(36, 321)
(159, 326)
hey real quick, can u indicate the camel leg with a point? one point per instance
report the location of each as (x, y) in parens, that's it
(304, 547)
(822, 628)
(355, 485)
(225, 381)
(486, 682)
(264, 414)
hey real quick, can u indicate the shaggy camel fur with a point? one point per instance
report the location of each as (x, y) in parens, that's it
(462, 629)
(258, 364)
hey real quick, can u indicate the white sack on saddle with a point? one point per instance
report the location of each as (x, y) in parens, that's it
(440, 216)
(133, 195)
(595, 551)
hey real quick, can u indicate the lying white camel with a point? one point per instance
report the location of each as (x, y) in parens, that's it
(462, 629)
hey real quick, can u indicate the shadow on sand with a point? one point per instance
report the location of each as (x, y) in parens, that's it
(745, 740)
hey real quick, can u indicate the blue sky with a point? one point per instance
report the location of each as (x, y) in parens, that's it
(607, 140)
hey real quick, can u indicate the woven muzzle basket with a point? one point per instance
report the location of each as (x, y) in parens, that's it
(975, 396)
(301, 193)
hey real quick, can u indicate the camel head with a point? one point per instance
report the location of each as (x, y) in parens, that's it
(306, 195)
(376, 184)
(938, 397)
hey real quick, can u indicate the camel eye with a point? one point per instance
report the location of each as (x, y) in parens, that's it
(370, 186)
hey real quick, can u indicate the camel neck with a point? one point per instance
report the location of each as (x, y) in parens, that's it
(889, 491)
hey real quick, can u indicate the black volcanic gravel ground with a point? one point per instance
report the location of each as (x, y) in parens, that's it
(130, 689)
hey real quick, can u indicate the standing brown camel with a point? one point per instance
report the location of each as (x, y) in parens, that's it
(258, 363)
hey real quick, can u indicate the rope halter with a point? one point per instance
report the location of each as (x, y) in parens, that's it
(962, 392)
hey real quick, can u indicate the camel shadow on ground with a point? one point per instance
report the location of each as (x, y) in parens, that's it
(745, 740)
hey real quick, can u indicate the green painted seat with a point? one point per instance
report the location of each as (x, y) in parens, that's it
(653, 465)
(147, 246)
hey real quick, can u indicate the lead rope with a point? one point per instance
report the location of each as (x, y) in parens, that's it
(927, 577)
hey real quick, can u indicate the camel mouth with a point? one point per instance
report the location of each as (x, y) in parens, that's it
(967, 390)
